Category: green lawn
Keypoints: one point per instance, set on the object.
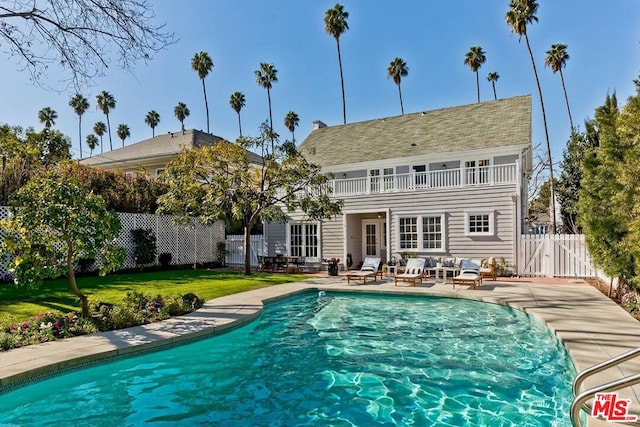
(54, 295)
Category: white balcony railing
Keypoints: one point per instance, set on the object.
(447, 178)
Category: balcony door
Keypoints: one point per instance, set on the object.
(374, 238)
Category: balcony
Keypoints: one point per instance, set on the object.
(446, 178)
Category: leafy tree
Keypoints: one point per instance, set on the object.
(266, 76)
(47, 116)
(92, 143)
(181, 112)
(398, 69)
(123, 132)
(100, 128)
(570, 180)
(106, 102)
(79, 36)
(218, 182)
(522, 13)
(291, 121)
(80, 105)
(493, 77)
(55, 222)
(335, 24)
(557, 58)
(599, 204)
(201, 63)
(237, 102)
(25, 152)
(474, 59)
(152, 119)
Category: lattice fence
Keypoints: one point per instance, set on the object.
(194, 243)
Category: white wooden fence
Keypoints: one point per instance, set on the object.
(235, 249)
(194, 243)
(555, 255)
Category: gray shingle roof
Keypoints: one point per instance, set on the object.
(165, 145)
(504, 122)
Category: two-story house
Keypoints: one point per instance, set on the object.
(449, 182)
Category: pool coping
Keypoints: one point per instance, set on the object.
(591, 326)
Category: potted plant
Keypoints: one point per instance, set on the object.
(332, 266)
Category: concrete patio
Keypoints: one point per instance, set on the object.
(592, 327)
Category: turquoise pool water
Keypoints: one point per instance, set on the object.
(339, 360)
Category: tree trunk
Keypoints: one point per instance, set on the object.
(80, 133)
(566, 100)
(401, 105)
(478, 84)
(495, 97)
(552, 205)
(206, 104)
(247, 249)
(270, 118)
(344, 105)
(72, 281)
(239, 124)
(109, 130)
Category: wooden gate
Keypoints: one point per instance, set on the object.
(554, 255)
(235, 249)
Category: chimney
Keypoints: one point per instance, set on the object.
(317, 124)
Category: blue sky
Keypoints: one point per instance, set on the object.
(603, 39)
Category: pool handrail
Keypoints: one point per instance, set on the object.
(580, 401)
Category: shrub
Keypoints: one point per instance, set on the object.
(144, 250)
(221, 254)
(137, 308)
(165, 259)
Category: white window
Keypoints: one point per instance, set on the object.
(479, 223)
(408, 227)
(159, 171)
(423, 232)
(303, 240)
(433, 233)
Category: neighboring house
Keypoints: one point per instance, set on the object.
(151, 156)
(449, 182)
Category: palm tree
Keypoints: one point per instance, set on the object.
(291, 121)
(398, 69)
(100, 128)
(493, 78)
(557, 58)
(47, 116)
(106, 102)
(92, 143)
(181, 112)
(265, 77)
(123, 132)
(474, 59)
(202, 64)
(79, 104)
(152, 119)
(237, 102)
(520, 14)
(335, 24)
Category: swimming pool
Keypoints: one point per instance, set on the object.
(339, 359)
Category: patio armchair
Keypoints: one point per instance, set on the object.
(489, 268)
(369, 269)
(412, 272)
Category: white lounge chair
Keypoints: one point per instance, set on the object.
(469, 274)
(412, 272)
(369, 269)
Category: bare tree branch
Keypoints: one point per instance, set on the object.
(80, 36)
